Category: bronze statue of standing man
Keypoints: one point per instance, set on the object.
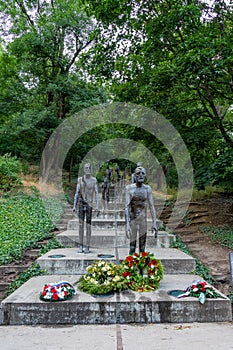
(138, 195)
(87, 188)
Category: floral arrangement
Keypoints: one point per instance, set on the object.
(201, 290)
(139, 272)
(57, 291)
(142, 272)
(102, 277)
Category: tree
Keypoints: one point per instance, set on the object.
(176, 57)
(44, 40)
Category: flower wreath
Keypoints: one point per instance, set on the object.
(57, 291)
(142, 271)
(102, 277)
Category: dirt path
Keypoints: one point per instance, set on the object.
(214, 212)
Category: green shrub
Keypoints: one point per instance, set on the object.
(10, 168)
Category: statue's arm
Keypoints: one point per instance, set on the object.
(127, 211)
(152, 209)
(96, 195)
(76, 197)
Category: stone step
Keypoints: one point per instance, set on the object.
(108, 214)
(69, 261)
(9, 269)
(105, 223)
(23, 307)
(61, 227)
(108, 238)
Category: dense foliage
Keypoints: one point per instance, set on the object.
(173, 56)
(10, 169)
(23, 222)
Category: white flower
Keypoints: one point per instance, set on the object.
(116, 278)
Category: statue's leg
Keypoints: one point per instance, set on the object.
(88, 232)
(142, 236)
(81, 215)
(133, 237)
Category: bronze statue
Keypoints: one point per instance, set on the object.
(87, 186)
(137, 196)
(105, 189)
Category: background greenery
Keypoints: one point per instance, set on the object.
(173, 56)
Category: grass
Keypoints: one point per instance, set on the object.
(220, 235)
(208, 192)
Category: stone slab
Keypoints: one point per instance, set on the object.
(108, 238)
(174, 261)
(23, 307)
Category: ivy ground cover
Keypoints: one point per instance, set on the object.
(23, 222)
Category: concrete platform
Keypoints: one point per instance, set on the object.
(71, 262)
(23, 307)
(110, 239)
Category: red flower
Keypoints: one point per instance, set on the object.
(43, 293)
(55, 296)
(129, 258)
(130, 264)
(144, 254)
(150, 272)
(126, 274)
(65, 293)
(155, 262)
(135, 254)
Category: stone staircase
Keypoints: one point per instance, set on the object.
(108, 242)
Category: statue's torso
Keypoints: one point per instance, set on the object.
(138, 201)
(87, 188)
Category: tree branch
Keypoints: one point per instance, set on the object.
(24, 11)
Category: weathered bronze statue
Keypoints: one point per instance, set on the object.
(87, 187)
(137, 196)
(105, 189)
(133, 178)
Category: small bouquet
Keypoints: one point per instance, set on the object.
(57, 291)
(201, 290)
